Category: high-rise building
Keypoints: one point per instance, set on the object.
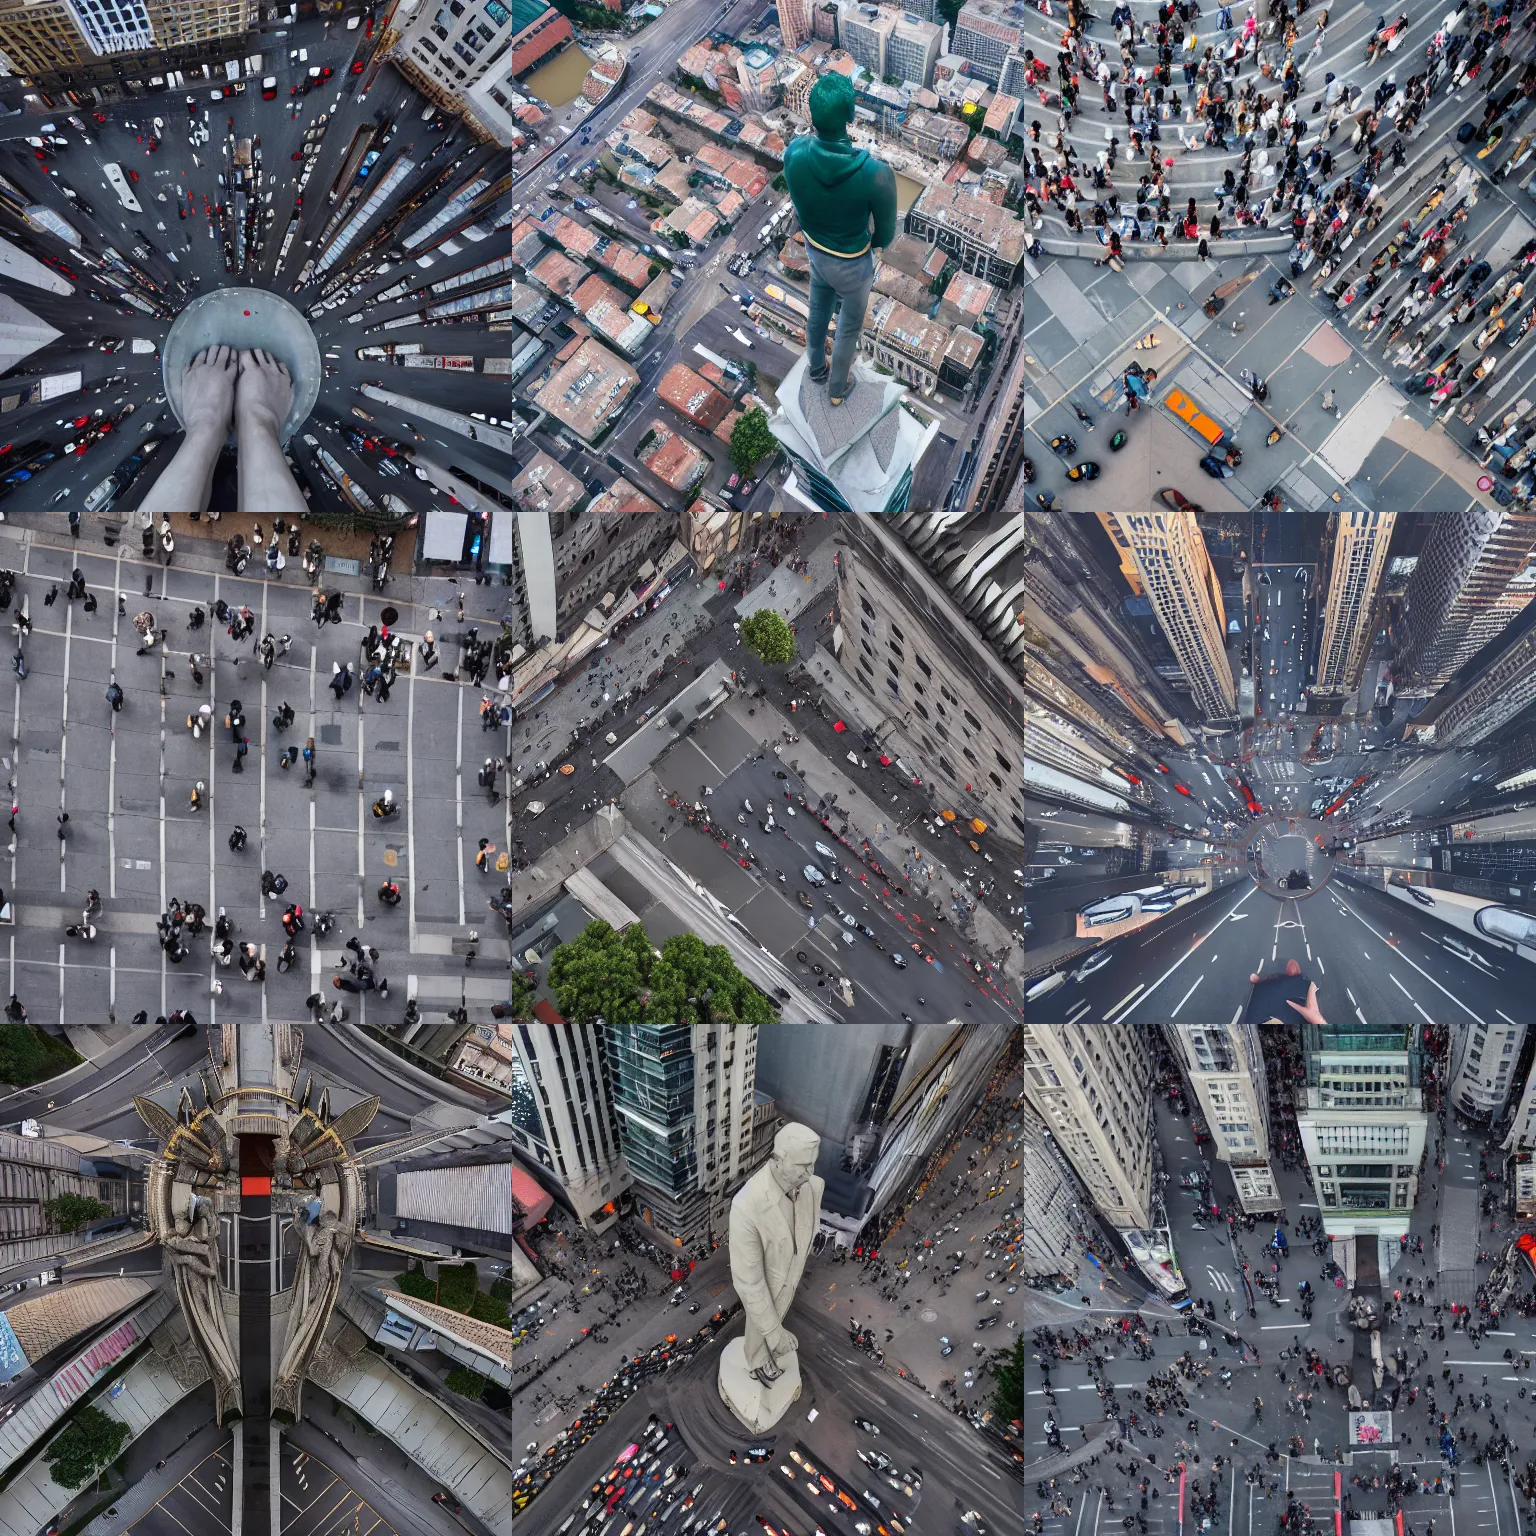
(1489, 691)
(1181, 586)
(1050, 1196)
(1480, 1068)
(986, 41)
(864, 31)
(444, 51)
(684, 1095)
(1225, 1070)
(1359, 554)
(884, 1098)
(936, 688)
(913, 49)
(92, 39)
(1520, 1143)
(795, 23)
(1093, 1089)
(562, 1114)
(1474, 576)
(1363, 1125)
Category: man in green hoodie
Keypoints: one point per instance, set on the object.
(845, 200)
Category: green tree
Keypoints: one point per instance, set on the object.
(766, 633)
(751, 440)
(779, 184)
(414, 1283)
(68, 1213)
(490, 1309)
(86, 1446)
(522, 996)
(470, 1384)
(27, 1055)
(1008, 1372)
(698, 983)
(601, 974)
(948, 10)
(457, 1285)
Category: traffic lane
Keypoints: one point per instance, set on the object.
(87, 1102)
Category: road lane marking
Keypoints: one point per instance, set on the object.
(1188, 995)
(1419, 968)
(1115, 1008)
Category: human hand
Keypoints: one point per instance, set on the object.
(1308, 1010)
(266, 390)
(781, 1342)
(208, 391)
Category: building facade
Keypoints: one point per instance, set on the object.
(1497, 691)
(445, 49)
(1050, 1195)
(913, 48)
(984, 239)
(1474, 576)
(795, 23)
(1181, 585)
(985, 41)
(562, 1115)
(1363, 1125)
(1481, 1068)
(1092, 1089)
(864, 32)
(685, 1098)
(1224, 1067)
(1359, 555)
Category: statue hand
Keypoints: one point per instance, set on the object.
(781, 1342)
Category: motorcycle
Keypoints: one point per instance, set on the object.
(81, 930)
(1064, 445)
(19, 663)
(323, 922)
(1087, 470)
(1027, 471)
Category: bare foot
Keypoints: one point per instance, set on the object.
(208, 391)
(265, 394)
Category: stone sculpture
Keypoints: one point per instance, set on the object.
(773, 1222)
(316, 1284)
(194, 1254)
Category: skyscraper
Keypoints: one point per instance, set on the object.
(795, 23)
(1481, 1066)
(1360, 540)
(684, 1097)
(1181, 585)
(1474, 576)
(1093, 1089)
(562, 1116)
(1488, 693)
(1049, 1193)
(1225, 1069)
(865, 31)
(1363, 1125)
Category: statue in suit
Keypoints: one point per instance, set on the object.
(773, 1222)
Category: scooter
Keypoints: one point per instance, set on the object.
(1064, 445)
(1087, 470)
(81, 930)
(323, 922)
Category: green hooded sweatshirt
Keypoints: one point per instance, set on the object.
(836, 188)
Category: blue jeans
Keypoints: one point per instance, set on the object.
(840, 283)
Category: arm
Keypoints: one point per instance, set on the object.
(883, 205)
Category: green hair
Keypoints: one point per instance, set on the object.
(832, 105)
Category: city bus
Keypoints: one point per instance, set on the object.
(119, 184)
(1502, 926)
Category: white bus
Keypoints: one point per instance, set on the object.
(119, 184)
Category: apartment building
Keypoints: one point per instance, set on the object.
(984, 239)
(1480, 1068)
(980, 36)
(1355, 556)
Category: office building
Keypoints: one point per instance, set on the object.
(863, 31)
(1092, 1088)
(1474, 576)
(118, 40)
(1490, 690)
(795, 23)
(935, 689)
(462, 1198)
(37, 1169)
(1363, 1126)
(562, 1115)
(985, 239)
(1520, 1143)
(684, 1096)
(980, 37)
(913, 48)
(444, 51)
(1358, 556)
(884, 1098)
(1181, 585)
(1480, 1067)
(1050, 1196)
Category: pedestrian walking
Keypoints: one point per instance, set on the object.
(288, 758)
(199, 720)
(341, 679)
(144, 623)
(196, 798)
(63, 825)
(485, 855)
(284, 717)
(389, 894)
(167, 541)
(237, 840)
(309, 761)
(428, 650)
(241, 748)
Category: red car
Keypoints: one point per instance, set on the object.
(133, 175)
(368, 29)
(298, 154)
(357, 66)
(1183, 791)
(269, 95)
(327, 72)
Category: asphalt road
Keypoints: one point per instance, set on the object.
(198, 267)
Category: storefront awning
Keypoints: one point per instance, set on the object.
(444, 539)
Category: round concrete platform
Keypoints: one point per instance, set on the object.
(1286, 859)
(246, 319)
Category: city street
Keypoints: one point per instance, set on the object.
(125, 780)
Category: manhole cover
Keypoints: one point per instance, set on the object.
(330, 735)
(928, 1315)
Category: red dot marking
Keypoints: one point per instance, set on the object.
(247, 312)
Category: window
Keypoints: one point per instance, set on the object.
(865, 605)
(1003, 762)
(923, 667)
(920, 707)
(971, 719)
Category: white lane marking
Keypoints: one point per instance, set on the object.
(1323, 968)
(1419, 968)
(1188, 995)
(1115, 1008)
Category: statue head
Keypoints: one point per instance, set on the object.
(794, 1156)
(831, 104)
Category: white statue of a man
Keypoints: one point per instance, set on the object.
(773, 1222)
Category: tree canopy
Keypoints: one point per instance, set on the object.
(620, 978)
(69, 1213)
(751, 440)
(86, 1445)
(767, 633)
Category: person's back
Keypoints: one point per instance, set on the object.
(845, 200)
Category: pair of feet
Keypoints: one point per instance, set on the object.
(223, 387)
(822, 379)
